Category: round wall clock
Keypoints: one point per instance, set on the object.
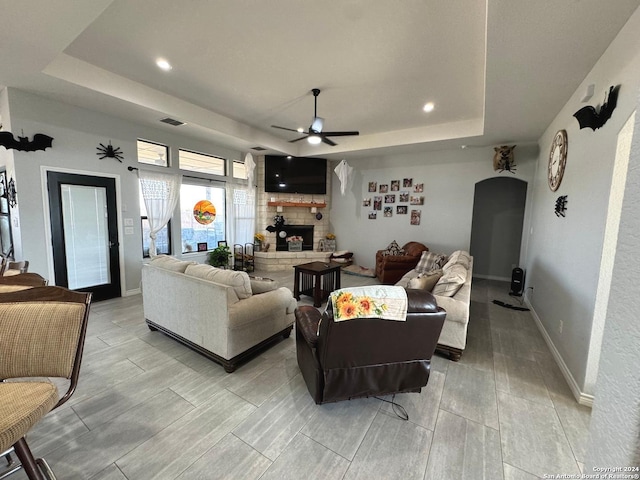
(557, 160)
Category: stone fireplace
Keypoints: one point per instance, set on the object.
(304, 231)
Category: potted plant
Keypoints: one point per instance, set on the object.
(258, 240)
(219, 256)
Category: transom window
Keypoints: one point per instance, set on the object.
(153, 153)
(199, 162)
(239, 170)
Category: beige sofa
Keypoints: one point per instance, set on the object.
(213, 311)
(453, 338)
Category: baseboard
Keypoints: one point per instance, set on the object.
(135, 291)
(581, 397)
(492, 277)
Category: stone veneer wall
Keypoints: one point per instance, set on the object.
(292, 215)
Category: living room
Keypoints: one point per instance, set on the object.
(571, 263)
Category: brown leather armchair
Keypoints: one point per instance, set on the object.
(367, 356)
(391, 268)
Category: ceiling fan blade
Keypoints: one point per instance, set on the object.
(340, 134)
(328, 141)
(297, 139)
(285, 128)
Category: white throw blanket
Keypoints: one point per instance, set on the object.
(375, 301)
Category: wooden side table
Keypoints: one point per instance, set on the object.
(316, 279)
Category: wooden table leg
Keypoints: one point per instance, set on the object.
(317, 290)
(296, 284)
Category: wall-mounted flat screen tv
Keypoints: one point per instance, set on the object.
(295, 175)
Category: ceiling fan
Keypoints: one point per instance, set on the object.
(315, 135)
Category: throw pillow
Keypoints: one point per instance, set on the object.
(393, 249)
(425, 281)
(430, 261)
(239, 281)
(451, 281)
(459, 256)
(262, 285)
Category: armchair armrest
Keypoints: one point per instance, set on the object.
(307, 319)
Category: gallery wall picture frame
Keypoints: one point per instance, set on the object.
(388, 211)
(390, 198)
(383, 188)
(401, 210)
(418, 188)
(377, 203)
(415, 217)
(403, 196)
(395, 185)
(373, 215)
(366, 202)
(407, 182)
(373, 186)
(416, 200)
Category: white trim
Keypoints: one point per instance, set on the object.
(582, 398)
(47, 217)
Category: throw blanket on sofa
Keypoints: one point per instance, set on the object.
(377, 301)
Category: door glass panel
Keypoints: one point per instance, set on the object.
(84, 214)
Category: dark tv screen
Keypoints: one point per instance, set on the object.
(295, 175)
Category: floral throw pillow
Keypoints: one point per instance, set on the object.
(393, 249)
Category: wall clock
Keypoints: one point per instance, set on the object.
(557, 160)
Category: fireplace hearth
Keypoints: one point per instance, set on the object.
(304, 231)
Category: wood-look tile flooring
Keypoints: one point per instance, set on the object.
(149, 408)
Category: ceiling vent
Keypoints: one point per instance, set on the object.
(172, 121)
(258, 149)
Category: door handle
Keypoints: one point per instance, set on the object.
(113, 244)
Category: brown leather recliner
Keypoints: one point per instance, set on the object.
(367, 356)
(391, 268)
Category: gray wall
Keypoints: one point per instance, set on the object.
(565, 255)
(496, 231)
(77, 132)
(449, 178)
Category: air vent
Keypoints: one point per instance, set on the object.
(258, 149)
(172, 121)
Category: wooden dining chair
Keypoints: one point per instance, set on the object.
(15, 268)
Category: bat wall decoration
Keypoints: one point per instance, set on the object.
(40, 142)
(590, 117)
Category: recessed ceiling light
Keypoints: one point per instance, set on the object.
(428, 107)
(163, 64)
(300, 130)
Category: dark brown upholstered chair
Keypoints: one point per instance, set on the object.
(367, 356)
(391, 268)
(42, 332)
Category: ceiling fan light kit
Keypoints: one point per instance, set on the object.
(315, 135)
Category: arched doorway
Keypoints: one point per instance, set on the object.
(496, 228)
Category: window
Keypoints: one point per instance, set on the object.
(163, 237)
(153, 153)
(211, 227)
(199, 162)
(239, 170)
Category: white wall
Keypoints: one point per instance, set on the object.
(449, 178)
(565, 254)
(77, 132)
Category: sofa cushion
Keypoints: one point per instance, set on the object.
(458, 257)
(425, 281)
(451, 281)
(430, 261)
(262, 285)
(393, 249)
(170, 263)
(239, 281)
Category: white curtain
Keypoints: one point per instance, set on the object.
(160, 192)
(244, 214)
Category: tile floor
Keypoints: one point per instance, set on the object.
(149, 408)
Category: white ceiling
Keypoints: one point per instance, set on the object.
(498, 70)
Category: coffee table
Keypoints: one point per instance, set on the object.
(316, 279)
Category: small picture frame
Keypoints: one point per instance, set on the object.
(418, 188)
(395, 185)
(366, 202)
(415, 217)
(377, 203)
(202, 246)
(222, 243)
(417, 200)
(401, 210)
(373, 215)
(373, 186)
(391, 198)
(403, 196)
(388, 211)
(407, 182)
(384, 188)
